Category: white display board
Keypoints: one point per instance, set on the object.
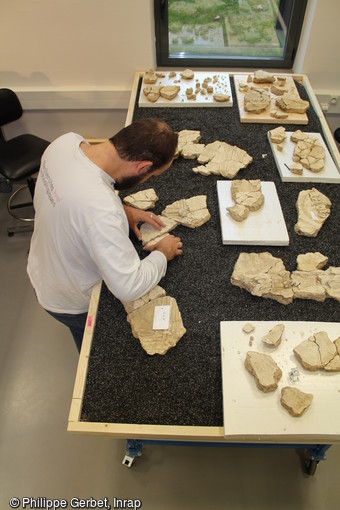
(284, 159)
(222, 85)
(265, 227)
(252, 415)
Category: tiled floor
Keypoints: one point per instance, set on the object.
(38, 458)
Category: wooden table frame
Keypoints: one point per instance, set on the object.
(169, 432)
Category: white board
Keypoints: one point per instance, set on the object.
(252, 415)
(329, 173)
(221, 86)
(265, 227)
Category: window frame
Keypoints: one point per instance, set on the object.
(285, 62)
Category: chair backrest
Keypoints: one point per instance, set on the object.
(10, 107)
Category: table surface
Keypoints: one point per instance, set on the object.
(123, 392)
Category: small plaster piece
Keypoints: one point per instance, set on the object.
(295, 401)
(278, 135)
(248, 328)
(188, 74)
(274, 336)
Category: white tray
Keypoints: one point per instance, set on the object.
(265, 227)
(329, 173)
(250, 414)
(223, 86)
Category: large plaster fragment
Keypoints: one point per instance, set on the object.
(247, 193)
(156, 341)
(313, 209)
(318, 352)
(295, 401)
(311, 261)
(150, 76)
(191, 212)
(310, 154)
(150, 233)
(144, 199)
(154, 293)
(266, 372)
(263, 275)
(292, 103)
(224, 159)
(256, 100)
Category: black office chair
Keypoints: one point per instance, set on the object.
(337, 134)
(19, 157)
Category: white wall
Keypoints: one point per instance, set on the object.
(75, 43)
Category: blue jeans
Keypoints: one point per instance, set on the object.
(75, 322)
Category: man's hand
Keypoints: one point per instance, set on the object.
(136, 216)
(170, 246)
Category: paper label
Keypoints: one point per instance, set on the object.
(161, 318)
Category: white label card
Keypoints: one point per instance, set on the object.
(161, 318)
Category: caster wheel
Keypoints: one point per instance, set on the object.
(310, 466)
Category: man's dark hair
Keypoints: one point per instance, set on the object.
(148, 139)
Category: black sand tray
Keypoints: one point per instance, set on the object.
(184, 387)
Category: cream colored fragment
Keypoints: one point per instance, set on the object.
(243, 87)
(150, 233)
(278, 114)
(311, 261)
(221, 98)
(201, 169)
(266, 372)
(261, 76)
(156, 341)
(170, 91)
(188, 137)
(278, 89)
(247, 193)
(330, 280)
(154, 293)
(238, 212)
(292, 103)
(277, 135)
(296, 168)
(310, 153)
(152, 93)
(295, 401)
(316, 352)
(313, 209)
(263, 275)
(222, 158)
(144, 199)
(150, 76)
(307, 285)
(256, 100)
(248, 328)
(274, 336)
(188, 74)
(191, 212)
(154, 241)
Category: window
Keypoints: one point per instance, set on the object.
(228, 33)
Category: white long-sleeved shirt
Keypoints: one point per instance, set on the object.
(81, 234)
